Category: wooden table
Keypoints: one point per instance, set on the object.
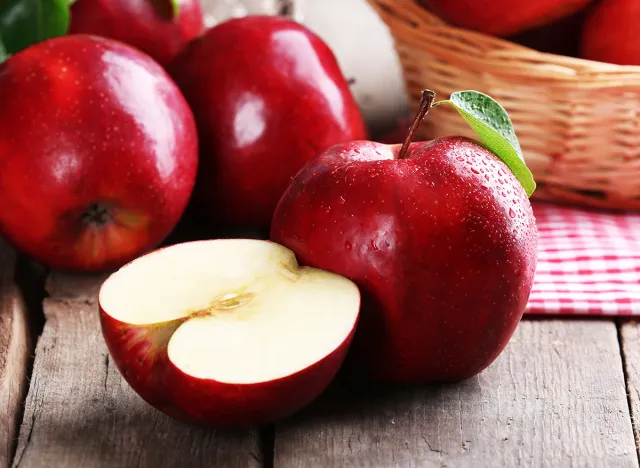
(564, 393)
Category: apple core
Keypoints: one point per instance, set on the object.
(242, 310)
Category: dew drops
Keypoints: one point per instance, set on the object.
(486, 176)
(504, 194)
(474, 170)
(512, 213)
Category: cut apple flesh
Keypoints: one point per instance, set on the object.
(242, 310)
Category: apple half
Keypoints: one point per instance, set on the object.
(227, 332)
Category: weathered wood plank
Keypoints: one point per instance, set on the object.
(81, 413)
(555, 397)
(15, 349)
(74, 286)
(630, 336)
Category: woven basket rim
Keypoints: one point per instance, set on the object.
(545, 65)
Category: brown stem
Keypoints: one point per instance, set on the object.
(426, 101)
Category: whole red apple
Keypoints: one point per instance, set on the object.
(98, 151)
(227, 332)
(149, 25)
(610, 33)
(439, 237)
(503, 17)
(268, 95)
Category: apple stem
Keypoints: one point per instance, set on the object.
(426, 101)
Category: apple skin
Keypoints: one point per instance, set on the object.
(489, 16)
(442, 244)
(147, 25)
(268, 95)
(140, 354)
(610, 33)
(561, 37)
(98, 151)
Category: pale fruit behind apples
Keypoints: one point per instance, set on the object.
(227, 333)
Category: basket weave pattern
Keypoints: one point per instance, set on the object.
(577, 120)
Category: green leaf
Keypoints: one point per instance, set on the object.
(27, 22)
(492, 124)
(175, 7)
(167, 9)
(3, 53)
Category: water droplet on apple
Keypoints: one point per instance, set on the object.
(348, 245)
(460, 158)
(512, 213)
(485, 187)
(486, 176)
(474, 170)
(500, 172)
(504, 194)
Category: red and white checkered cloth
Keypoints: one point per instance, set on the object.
(588, 262)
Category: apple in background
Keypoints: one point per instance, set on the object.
(268, 95)
(227, 333)
(503, 17)
(441, 240)
(149, 25)
(561, 37)
(98, 151)
(611, 33)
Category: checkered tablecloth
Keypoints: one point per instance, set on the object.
(588, 262)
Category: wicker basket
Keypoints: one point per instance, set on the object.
(577, 120)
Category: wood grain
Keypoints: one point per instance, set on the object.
(81, 413)
(555, 397)
(630, 337)
(15, 349)
(74, 286)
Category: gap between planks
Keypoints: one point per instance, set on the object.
(81, 413)
(629, 335)
(16, 349)
(555, 397)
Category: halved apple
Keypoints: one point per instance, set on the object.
(228, 332)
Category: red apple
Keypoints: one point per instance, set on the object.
(98, 151)
(503, 17)
(227, 333)
(610, 33)
(439, 237)
(268, 95)
(149, 25)
(562, 37)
